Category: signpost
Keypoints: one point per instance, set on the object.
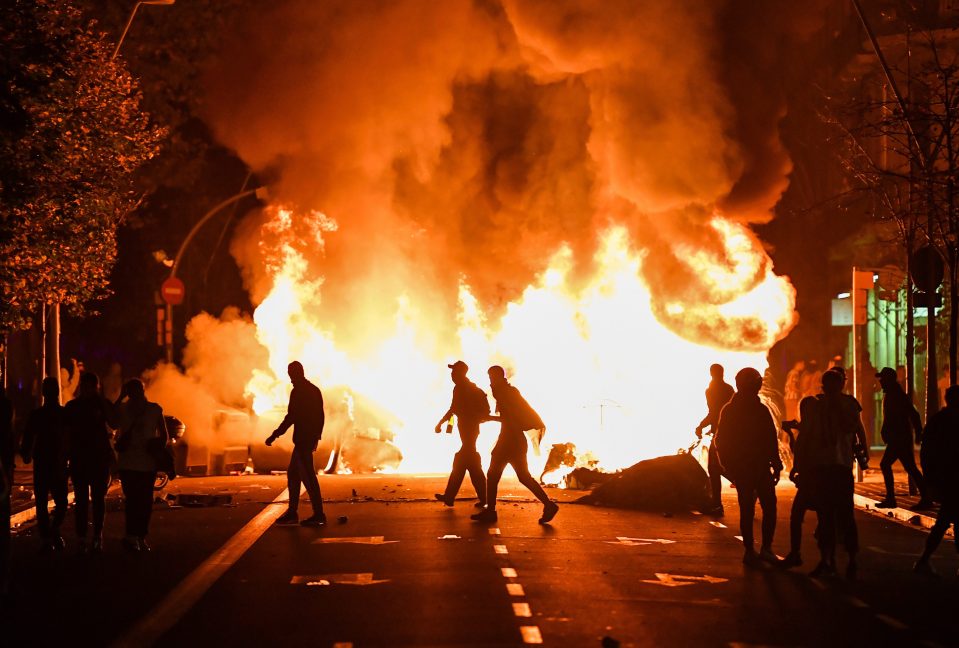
(172, 290)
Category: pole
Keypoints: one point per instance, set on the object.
(125, 30)
(168, 324)
(130, 21)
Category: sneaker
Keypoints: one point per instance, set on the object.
(888, 503)
(716, 511)
(142, 544)
(57, 543)
(925, 568)
(442, 498)
(823, 570)
(480, 504)
(486, 515)
(130, 544)
(923, 505)
(315, 520)
(550, 509)
(751, 558)
(290, 517)
(97, 545)
(766, 555)
(792, 559)
(82, 546)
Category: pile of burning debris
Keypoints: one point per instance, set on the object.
(672, 483)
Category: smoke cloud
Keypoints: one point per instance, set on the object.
(468, 140)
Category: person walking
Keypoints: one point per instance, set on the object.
(44, 444)
(516, 416)
(89, 418)
(139, 421)
(940, 456)
(749, 452)
(899, 421)
(828, 451)
(718, 393)
(804, 499)
(305, 414)
(470, 407)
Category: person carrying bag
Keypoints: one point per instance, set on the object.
(142, 439)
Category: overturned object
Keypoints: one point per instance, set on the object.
(587, 478)
(673, 483)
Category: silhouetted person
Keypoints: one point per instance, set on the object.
(940, 461)
(516, 416)
(305, 414)
(6, 485)
(749, 452)
(828, 455)
(139, 421)
(471, 407)
(718, 393)
(44, 444)
(805, 498)
(899, 421)
(792, 391)
(89, 419)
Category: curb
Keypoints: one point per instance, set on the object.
(26, 516)
(901, 515)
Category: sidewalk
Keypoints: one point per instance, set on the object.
(872, 490)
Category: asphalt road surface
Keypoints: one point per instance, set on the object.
(407, 571)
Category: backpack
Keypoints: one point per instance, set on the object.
(477, 403)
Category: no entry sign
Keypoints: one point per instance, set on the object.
(172, 290)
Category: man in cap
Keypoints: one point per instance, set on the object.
(899, 421)
(749, 452)
(305, 414)
(470, 407)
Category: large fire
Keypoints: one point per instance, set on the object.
(595, 362)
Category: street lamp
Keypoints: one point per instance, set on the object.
(259, 192)
(130, 21)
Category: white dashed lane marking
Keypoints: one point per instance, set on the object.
(718, 525)
(531, 634)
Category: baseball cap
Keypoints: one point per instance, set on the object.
(459, 365)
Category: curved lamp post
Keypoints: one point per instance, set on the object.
(259, 192)
(130, 21)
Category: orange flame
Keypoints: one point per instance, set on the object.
(596, 363)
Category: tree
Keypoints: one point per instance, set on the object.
(901, 145)
(73, 134)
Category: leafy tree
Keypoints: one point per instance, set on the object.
(73, 133)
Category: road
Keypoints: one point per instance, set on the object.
(407, 571)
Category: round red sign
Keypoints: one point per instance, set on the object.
(172, 290)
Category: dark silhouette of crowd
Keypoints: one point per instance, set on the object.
(89, 439)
